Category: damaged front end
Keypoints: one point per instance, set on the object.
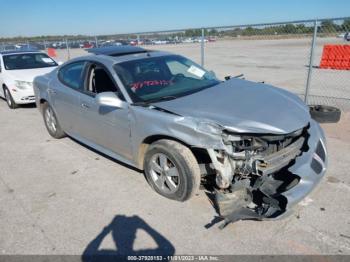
(262, 176)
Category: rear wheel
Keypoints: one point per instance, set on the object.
(9, 100)
(51, 123)
(172, 170)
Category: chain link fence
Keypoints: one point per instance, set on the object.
(330, 86)
(276, 54)
(286, 54)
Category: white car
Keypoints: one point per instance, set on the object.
(17, 72)
(188, 40)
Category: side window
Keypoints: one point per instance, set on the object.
(71, 75)
(99, 80)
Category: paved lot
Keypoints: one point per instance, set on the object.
(58, 197)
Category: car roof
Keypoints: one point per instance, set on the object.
(117, 50)
(120, 57)
(10, 52)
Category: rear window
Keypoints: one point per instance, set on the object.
(71, 75)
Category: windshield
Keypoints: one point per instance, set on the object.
(167, 77)
(27, 61)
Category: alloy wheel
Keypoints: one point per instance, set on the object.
(50, 120)
(164, 173)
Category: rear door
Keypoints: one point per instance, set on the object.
(107, 127)
(64, 93)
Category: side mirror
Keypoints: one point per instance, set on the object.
(212, 73)
(109, 99)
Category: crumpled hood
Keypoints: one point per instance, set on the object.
(245, 107)
(29, 74)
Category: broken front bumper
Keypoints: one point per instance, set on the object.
(281, 191)
(309, 166)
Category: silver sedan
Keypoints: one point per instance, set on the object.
(253, 145)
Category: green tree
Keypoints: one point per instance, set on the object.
(213, 32)
(346, 25)
(288, 29)
(249, 31)
(328, 26)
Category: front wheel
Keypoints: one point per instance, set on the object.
(172, 170)
(9, 100)
(51, 123)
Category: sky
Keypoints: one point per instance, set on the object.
(98, 17)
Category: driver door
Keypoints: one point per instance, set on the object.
(105, 126)
(64, 94)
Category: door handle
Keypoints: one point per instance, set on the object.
(51, 91)
(83, 105)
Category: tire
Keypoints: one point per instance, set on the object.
(9, 100)
(325, 114)
(51, 122)
(177, 177)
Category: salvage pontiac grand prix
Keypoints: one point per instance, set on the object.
(166, 115)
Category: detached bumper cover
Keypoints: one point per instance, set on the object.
(310, 166)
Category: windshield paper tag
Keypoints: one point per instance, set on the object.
(47, 60)
(196, 71)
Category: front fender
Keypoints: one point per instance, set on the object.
(146, 122)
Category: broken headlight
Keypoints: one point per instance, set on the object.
(243, 143)
(251, 144)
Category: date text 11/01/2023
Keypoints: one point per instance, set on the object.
(173, 258)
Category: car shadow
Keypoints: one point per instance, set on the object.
(209, 189)
(31, 105)
(123, 230)
(106, 156)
